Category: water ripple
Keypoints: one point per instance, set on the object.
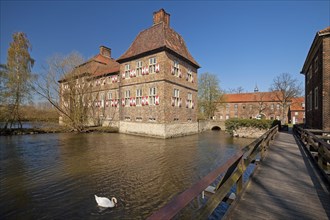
(55, 176)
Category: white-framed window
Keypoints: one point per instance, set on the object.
(139, 97)
(316, 64)
(303, 105)
(138, 68)
(250, 107)
(272, 106)
(152, 96)
(189, 100)
(109, 95)
(235, 108)
(127, 97)
(138, 119)
(176, 67)
(277, 107)
(316, 98)
(189, 75)
(176, 96)
(227, 108)
(296, 113)
(152, 64)
(152, 119)
(227, 116)
(127, 70)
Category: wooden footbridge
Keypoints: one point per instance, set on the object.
(291, 181)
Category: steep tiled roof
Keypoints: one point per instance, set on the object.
(296, 104)
(250, 97)
(325, 30)
(319, 36)
(99, 65)
(96, 66)
(159, 36)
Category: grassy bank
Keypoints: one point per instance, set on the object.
(56, 129)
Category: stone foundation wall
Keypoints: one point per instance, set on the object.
(158, 130)
(182, 129)
(249, 132)
(110, 123)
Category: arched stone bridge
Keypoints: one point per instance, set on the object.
(204, 125)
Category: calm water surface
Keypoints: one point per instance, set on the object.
(55, 176)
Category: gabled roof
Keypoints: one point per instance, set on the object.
(99, 65)
(96, 66)
(324, 31)
(250, 97)
(319, 35)
(296, 104)
(158, 37)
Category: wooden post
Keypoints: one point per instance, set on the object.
(239, 183)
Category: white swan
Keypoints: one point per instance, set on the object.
(105, 202)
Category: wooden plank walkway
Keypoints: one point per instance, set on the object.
(286, 185)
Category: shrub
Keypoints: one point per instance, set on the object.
(235, 123)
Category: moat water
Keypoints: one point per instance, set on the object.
(55, 176)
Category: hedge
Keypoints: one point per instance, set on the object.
(235, 123)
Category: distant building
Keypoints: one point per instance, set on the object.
(149, 90)
(259, 105)
(317, 82)
(296, 114)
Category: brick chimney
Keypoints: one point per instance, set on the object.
(105, 51)
(162, 16)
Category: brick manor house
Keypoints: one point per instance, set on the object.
(317, 82)
(151, 89)
(261, 105)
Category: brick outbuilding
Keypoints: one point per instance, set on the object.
(317, 82)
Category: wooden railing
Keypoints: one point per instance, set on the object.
(317, 146)
(231, 173)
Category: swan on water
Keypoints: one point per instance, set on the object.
(105, 202)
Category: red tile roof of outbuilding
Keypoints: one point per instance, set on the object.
(296, 104)
(251, 97)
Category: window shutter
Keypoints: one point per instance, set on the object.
(157, 100)
(157, 68)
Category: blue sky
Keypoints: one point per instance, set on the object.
(243, 42)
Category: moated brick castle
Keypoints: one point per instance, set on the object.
(149, 90)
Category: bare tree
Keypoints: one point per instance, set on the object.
(66, 88)
(262, 105)
(285, 87)
(239, 89)
(209, 94)
(17, 77)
